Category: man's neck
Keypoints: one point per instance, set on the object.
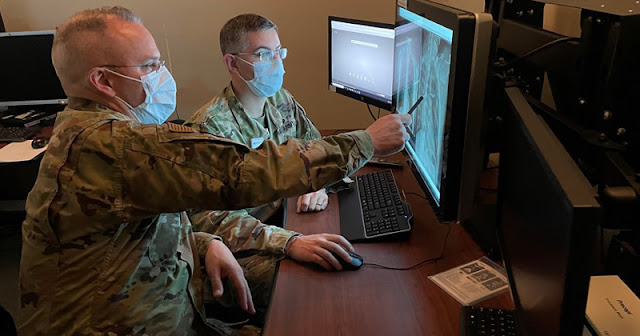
(252, 104)
(110, 102)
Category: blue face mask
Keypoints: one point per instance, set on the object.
(267, 77)
(160, 102)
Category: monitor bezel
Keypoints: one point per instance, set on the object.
(463, 24)
(360, 97)
(13, 103)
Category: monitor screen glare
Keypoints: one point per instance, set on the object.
(422, 69)
(362, 59)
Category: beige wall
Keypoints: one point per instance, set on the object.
(188, 31)
(187, 34)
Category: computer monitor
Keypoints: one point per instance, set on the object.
(547, 213)
(361, 60)
(440, 71)
(27, 76)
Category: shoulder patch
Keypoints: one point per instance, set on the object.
(181, 128)
(169, 132)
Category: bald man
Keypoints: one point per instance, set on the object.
(108, 248)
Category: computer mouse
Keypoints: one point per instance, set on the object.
(356, 261)
(39, 142)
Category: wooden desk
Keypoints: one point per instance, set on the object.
(373, 301)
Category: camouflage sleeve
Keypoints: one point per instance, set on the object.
(170, 168)
(242, 232)
(203, 240)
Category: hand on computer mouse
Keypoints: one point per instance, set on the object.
(39, 142)
(356, 262)
(326, 250)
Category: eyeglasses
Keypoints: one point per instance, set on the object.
(268, 55)
(147, 68)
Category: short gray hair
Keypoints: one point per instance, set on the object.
(94, 20)
(70, 48)
(233, 35)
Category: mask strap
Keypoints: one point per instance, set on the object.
(123, 76)
(244, 60)
(238, 72)
(126, 77)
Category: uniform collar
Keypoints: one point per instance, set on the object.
(272, 115)
(241, 117)
(81, 105)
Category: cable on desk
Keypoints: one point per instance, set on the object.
(418, 195)
(371, 113)
(444, 245)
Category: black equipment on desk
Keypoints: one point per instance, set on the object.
(27, 76)
(441, 59)
(585, 87)
(18, 134)
(584, 82)
(547, 218)
(479, 321)
(372, 207)
(27, 117)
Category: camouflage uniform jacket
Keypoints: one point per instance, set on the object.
(108, 248)
(284, 119)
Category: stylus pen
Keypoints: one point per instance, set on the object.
(413, 108)
(415, 105)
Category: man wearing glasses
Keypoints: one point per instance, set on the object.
(108, 246)
(251, 109)
(254, 107)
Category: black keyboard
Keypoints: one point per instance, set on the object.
(383, 212)
(10, 134)
(476, 321)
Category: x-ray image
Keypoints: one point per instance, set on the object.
(422, 64)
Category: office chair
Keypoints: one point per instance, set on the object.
(17, 179)
(7, 327)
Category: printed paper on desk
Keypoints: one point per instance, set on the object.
(473, 282)
(19, 151)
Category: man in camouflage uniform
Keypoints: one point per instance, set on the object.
(255, 107)
(108, 248)
(251, 109)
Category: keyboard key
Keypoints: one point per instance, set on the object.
(487, 321)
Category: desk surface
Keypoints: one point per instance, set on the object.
(373, 301)
(44, 131)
